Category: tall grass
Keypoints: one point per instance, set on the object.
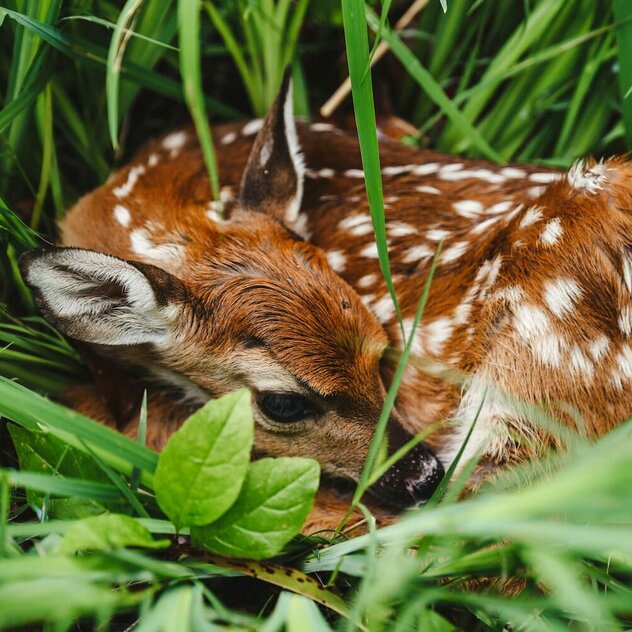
(82, 84)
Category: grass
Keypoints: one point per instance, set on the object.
(542, 81)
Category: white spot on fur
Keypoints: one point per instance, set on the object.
(397, 170)
(580, 364)
(337, 260)
(513, 294)
(500, 207)
(599, 347)
(229, 138)
(354, 173)
(384, 309)
(454, 252)
(530, 322)
(535, 192)
(321, 127)
(544, 178)
(428, 189)
(416, 253)
(143, 246)
(175, 140)
(512, 172)
(132, 178)
(437, 234)
(625, 319)
(122, 215)
(531, 216)
(400, 229)
(437, 333)
(353, 221)
(552, 232)
(153, 160)
(591, 180)
(369, 251)
(549, 349)
(252, 127)
(320, 173)
(623, 369)
(561, 295)
(483, 227)
(367, 281)
(469, 209)
(426, 169)
(627, 269)
(367, 299)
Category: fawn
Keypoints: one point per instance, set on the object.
(282, 293)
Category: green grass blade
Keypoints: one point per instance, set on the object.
(356, 38)
(120, 38)
(434, 90)
(189, 38)
(623, 15)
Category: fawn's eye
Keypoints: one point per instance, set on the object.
(285, 407)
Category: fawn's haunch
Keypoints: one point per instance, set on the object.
(282, 293)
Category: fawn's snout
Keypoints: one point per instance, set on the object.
(412, 479)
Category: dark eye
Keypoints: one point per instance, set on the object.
(285, 407)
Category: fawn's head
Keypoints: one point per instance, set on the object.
(249, 304)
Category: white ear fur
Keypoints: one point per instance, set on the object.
(95, 297)
(298, 160)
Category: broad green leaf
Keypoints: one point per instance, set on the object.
(42, 452)
(274, 502)
(107, 532)
(203, 466)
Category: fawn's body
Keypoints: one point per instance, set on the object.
(530, 303)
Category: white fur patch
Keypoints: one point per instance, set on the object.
(531, 216)
(561, 295)
(427, 189)
(623, 370)
(416, 253)
(590, 180)
(599, 347)
(580, 364)
(369, 251)
(426, 169)
(153, 160)
(322, 127)
(354, 173)
(530, 322)
(483, 227)
(228, 138)
(298, 161)
(625, 319)
(544, 178)
(552, 232)
(367, 281)
(397, 170)
(437, 234)
(513, 172)
(143, 246)
(454, 252)
(337, 260)
(175, 140)
(400, 229)
(132, 177)
(469, 209)
(384, 309)
(353, 221)
(437, 333)
(122, 215)
(252, 127)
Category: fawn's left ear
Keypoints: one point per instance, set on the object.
(273, 180)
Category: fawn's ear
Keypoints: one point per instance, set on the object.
(273, 180)
(97, 298)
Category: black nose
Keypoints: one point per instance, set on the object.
(412, 480)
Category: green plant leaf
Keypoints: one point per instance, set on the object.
(274, 502)
(107, 532)
(44, 453)
(203, 466)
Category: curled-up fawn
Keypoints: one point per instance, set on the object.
(282, 293)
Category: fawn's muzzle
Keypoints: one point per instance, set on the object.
(410, 481)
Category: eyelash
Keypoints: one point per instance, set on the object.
(286, 408)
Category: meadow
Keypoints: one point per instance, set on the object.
(82, 84)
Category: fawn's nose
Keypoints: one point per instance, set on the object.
(410, 481)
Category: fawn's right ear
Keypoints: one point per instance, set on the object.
(273, 180)
(100, 299)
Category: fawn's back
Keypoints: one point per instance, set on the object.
(530, 302)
